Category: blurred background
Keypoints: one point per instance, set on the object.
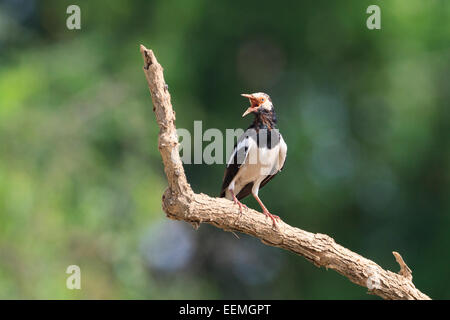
(365, 114)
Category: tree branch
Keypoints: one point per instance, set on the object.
(181, 203)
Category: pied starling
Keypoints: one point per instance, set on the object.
(258, 155)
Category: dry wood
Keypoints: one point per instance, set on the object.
(180, 202)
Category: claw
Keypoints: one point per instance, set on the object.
(265, 211)
(240, 204)
(274, 218)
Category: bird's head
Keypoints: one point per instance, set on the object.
(258, 102)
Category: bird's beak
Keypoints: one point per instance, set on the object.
(249, 110)
(254, 104)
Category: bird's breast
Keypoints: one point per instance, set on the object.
(260, 162)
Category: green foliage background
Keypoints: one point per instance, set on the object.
(365, 115)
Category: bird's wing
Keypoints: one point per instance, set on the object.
(282, 154)
(281, 159)
(237, 158)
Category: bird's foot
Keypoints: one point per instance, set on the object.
(272, 216)
(240, 204)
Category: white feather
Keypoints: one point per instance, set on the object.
(259, 163)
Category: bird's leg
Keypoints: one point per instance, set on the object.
(265, 211)
(236, 201)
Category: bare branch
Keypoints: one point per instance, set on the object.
(181, 203)
(404, 269)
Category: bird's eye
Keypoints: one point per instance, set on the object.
(262, 100)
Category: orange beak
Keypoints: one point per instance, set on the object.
(253, 101)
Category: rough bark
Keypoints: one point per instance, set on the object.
(180, 202)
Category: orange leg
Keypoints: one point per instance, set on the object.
(236, 201)
(265, 211)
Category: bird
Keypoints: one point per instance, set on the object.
(258, 155)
